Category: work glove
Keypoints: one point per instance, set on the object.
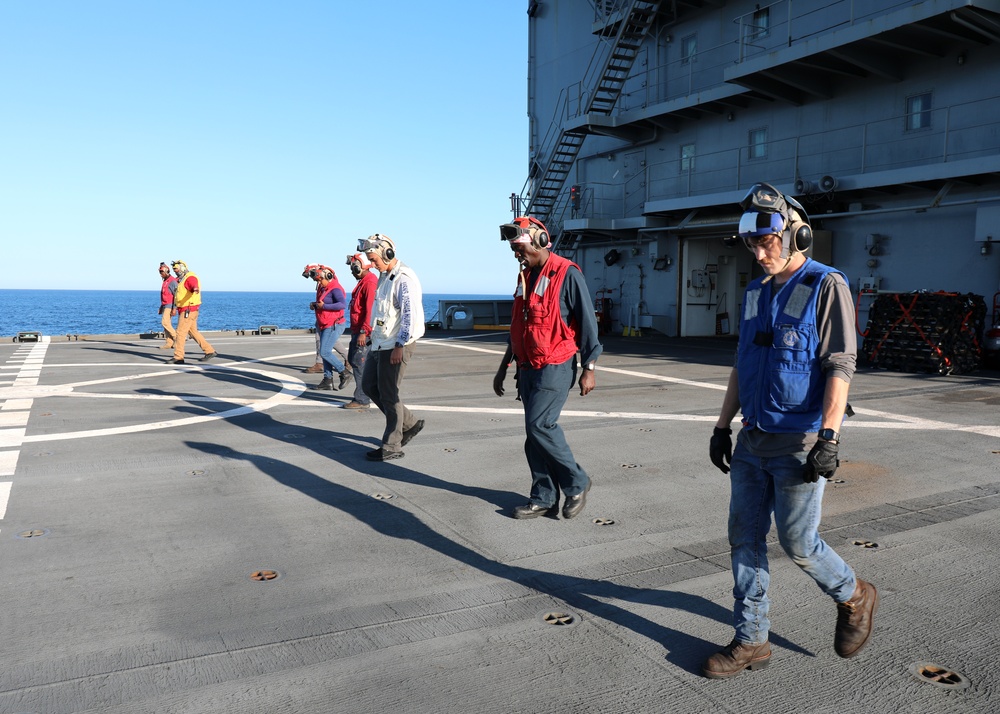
(720, 448)
(821, 461)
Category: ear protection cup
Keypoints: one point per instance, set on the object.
(328, 274)
(384, 246)
(540, 238)
(801, 233)
(388, 251)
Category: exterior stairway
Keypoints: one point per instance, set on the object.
(631, 30)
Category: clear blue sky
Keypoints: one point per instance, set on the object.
(251, 137)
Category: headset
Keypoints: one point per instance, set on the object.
(181, 263)
(378, 243)
(307, 272)
(768, 211)
(323, 272)
(358, 264)
(526, 226)
(164, 267)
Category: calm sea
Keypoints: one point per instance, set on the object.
(122, 312)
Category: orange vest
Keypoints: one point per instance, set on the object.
(538, 333)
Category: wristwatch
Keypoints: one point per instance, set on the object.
(591, 366)
(828, 435)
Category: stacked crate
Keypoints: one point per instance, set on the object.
(925, 332)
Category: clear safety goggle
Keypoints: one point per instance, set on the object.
(763, 198)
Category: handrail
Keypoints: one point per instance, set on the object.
(966, 130)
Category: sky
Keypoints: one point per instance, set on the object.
(249, 138)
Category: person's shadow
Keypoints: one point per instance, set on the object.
(583, 594)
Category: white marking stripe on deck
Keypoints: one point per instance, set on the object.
(4, 497)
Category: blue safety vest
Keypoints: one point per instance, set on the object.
(780, 378)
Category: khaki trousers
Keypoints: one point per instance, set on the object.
(187, 324)
(168, 328)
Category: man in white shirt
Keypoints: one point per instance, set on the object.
(397, 323)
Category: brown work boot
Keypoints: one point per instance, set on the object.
(735, 657)
(315, 369)
(854, 620)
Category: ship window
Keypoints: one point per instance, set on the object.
(687, 158)
(760, 25)
(689, 49)
(918, 112)
(757, 145)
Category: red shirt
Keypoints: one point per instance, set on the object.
(362, 299)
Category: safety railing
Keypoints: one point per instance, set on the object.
(959, 132)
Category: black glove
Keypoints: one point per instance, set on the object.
(822, 461)
(720, 449)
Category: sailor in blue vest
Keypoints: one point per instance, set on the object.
(794, 363)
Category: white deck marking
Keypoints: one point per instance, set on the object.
(291, 387)
(8, 462)
(4, 497)
(897, 421)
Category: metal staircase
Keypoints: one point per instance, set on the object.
(607, 87)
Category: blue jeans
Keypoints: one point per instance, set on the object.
(762, 486)
(328, 337)
(357, 354)
(553, 468)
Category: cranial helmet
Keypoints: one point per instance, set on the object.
(360, 261)
(525, 229)
(767, 211)
(307, 272)
(378, 243)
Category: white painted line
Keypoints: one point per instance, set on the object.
(4, 497)
(610, 370)
(291, 388)
(8, 462)
(897, 421)
(159, 397)
(11, 437)
(16, 405)
(661, 378)
(9, 419)
(567, 412)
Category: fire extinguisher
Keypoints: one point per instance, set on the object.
(602, 311)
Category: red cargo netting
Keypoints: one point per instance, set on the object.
(925, 332)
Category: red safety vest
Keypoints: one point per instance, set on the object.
(166, 294)
(327, 318)
(538, 333)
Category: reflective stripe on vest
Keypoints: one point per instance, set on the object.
(538, 333)
(780, 379)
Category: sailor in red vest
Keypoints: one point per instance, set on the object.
(331, 299)
(317, 366)
(553, 318)
(167, 289)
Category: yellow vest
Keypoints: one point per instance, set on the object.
(184, 298)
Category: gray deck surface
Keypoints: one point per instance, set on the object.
(138, 499)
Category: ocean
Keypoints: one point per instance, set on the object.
(123, 312)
